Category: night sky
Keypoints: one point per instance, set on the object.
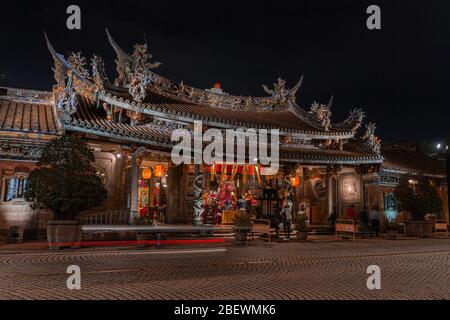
(399, 75)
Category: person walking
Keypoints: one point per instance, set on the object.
(287, 219)
(375, 219)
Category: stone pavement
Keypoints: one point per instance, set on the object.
(410, 269)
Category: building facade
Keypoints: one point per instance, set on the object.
(325, 167)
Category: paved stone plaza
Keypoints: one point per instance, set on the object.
(410, 269)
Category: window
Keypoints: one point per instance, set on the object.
(14, 187)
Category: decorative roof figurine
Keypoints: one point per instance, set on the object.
(322, 113)
(67, 102)
(372, 141)
(280, 93)
(78, 63)
(355, 119)
(99, 72)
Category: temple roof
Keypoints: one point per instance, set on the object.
(354, 155)
(162, 97)
(412, 162)
(91, 119)
(285, 120)
(25, 117)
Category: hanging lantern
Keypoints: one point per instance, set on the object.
(223, 173)
(146, 173)
(212, 172)
(295, 181)
(244, 174)
(159, 171)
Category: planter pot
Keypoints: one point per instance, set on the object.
(63, 234)
(428, 229)
(420, 229)
(414, 229)
(302, 235)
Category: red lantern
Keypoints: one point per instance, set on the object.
(146, 173)
(295, 181)
(159, 171)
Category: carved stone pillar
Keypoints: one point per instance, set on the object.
(134, 184)
(198, 196)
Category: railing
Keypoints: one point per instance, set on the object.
(345, 228)
(110, 217)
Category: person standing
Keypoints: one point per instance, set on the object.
(242, 203)
(287, 219)
(375, 219)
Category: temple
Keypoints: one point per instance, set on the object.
(325, 167)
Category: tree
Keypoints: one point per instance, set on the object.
(417, 198)
(65, 180)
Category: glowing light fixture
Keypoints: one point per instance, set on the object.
(295, 181)
(146, 173)
(159, 171)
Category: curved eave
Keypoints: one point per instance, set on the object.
(64, 62)
(168, 114)
(116, 47)
(114, 135)
(410, 171)
(311, 159)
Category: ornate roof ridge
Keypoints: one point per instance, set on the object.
(279, 94)
(28, 95)
(148, 108)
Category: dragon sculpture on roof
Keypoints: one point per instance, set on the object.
(280, 93)
(355, 119)
(371, 139)
(98, 72)
(139, 77)
(322, 113)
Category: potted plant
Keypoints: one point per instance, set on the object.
(242, 225)
(391, 229)
(66, 183)
(301, 227)
(418, 197)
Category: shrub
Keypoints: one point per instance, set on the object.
(65, 180)
(418, 199)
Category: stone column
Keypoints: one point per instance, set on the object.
(2, 188)
(134, 184)
(198, 196)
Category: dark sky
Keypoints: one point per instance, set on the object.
(399, 75)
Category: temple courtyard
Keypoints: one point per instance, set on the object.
(318, 269)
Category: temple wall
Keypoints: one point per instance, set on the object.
(350, 191)
(108, 164)
(17, 212)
